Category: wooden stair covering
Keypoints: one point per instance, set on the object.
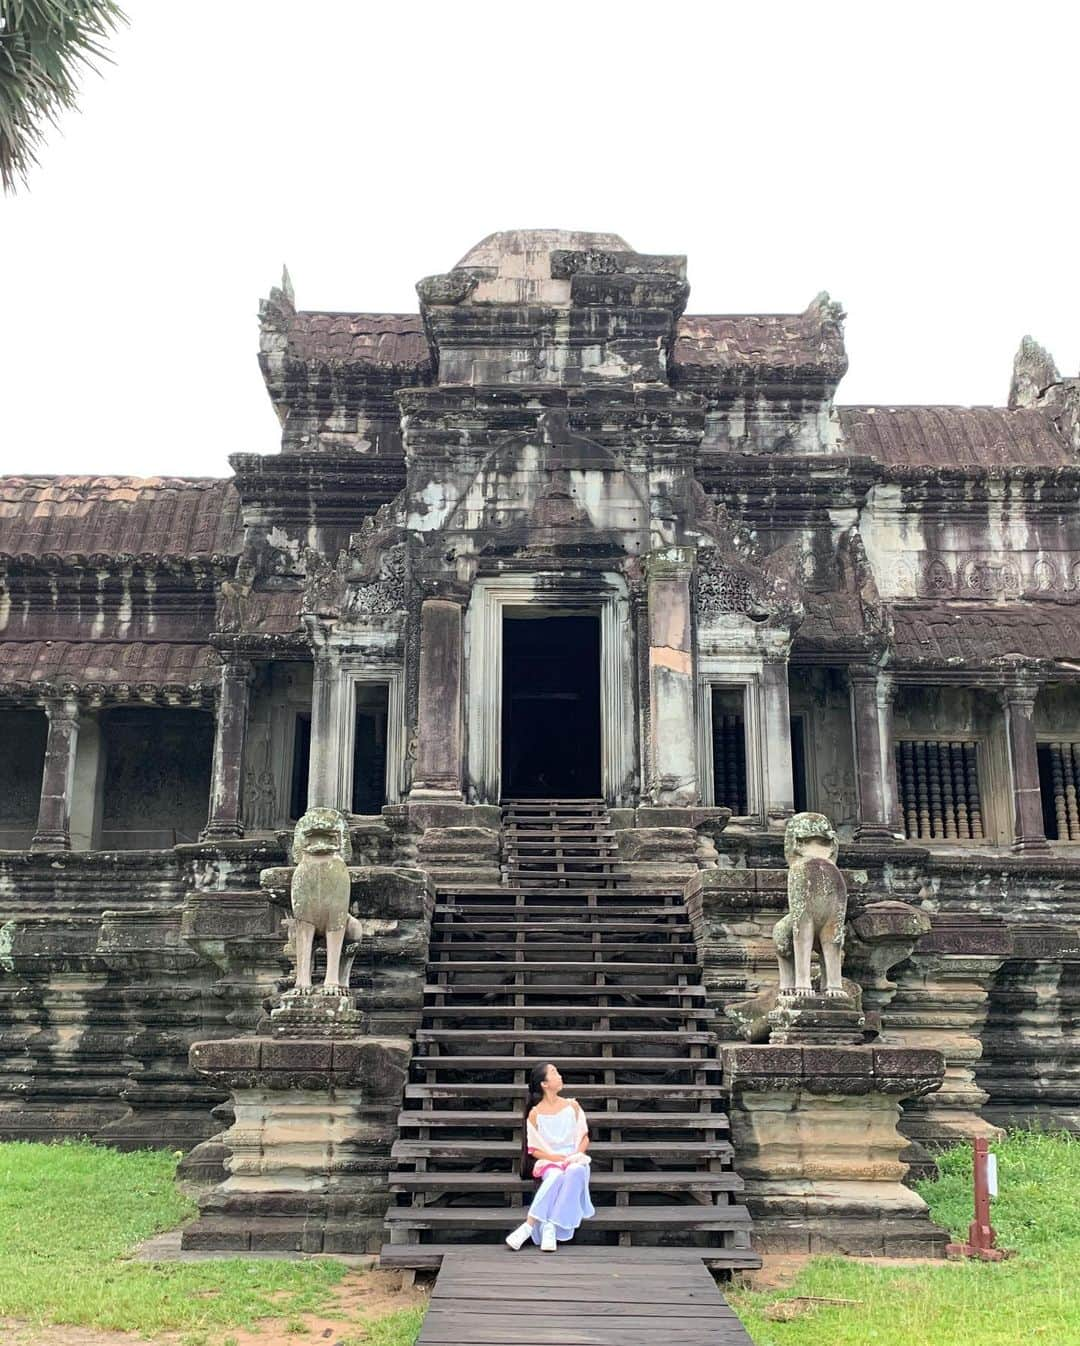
(572, 961)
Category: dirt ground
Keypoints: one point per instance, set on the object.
(360, 1297)
(779, 1270)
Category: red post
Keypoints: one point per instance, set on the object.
(981, 1237)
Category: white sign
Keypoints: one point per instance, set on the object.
(991, 1174)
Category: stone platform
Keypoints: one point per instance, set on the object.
(309, 1150)
(815, 1129)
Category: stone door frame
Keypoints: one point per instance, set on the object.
(745, 677)
(604, 595)
(352, 676)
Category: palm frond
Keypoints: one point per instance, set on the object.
(45, 45)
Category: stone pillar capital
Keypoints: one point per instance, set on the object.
(1019, 693)
(670, 563)
(65, 707)
(441, 589)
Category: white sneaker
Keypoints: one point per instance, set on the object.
(547, 1238)
(520, 1236)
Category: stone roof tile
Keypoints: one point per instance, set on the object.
(30, 663)
(940, 436)
(978, 634)
(119, 516)
(383, 340)
(741, 346)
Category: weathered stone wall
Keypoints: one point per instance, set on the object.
(113, 964)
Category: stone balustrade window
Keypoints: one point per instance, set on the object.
(1059, 783)
(940, 792)
(729, 749)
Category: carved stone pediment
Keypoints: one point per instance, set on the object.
(384, 594)
(732, 575)
(369, 578)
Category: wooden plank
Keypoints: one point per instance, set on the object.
(606, 1217)
(589, 1297)
(429, 1256)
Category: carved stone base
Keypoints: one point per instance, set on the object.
(316, 1014)
(818, 1020)
(308, 1153)
(816, 1142)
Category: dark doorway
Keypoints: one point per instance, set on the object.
(551, 707)
(369, 748)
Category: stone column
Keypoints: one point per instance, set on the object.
(54, 812)
(439, 738)
(1029, 832)
(226, 782)
(323, 773)
(871, 741)
(775, 741)
(673, 737)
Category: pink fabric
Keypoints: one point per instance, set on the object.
(557, 1133)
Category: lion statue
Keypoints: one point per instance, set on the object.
(817, 907)
(319, 893)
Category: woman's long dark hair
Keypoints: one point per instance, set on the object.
(537, 1076)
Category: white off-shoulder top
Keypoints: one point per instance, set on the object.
(556, 1132)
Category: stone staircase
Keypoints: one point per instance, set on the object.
(568, 961)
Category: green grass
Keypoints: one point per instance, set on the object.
(70, 1213)
(1032, 1297)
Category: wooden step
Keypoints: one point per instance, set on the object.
(538, 948)
(547, 829)
(572, 1065)
(559, 841)
(598, 1121)
(578, 911)
(527, 924)
(649, 892)
(571, 1037)
(581, 965)
(429, 1256)
(607, 1217)
(670, 1181)
(564, 878)
(637, 1092)
(568, 1012)
(562, 988)
(601, 1152)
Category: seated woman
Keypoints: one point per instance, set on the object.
(555, 1138)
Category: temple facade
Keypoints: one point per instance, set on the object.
(550, 537)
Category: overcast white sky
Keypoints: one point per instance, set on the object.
(916, 160)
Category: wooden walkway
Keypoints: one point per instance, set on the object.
(579, 1296)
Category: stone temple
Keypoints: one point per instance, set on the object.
(568, 600)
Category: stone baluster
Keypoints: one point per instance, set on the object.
(439, 739)
(57, 778)
(1069, 755)
(971, 766)
(226, 782)
(1018, 702)
(875, 774)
